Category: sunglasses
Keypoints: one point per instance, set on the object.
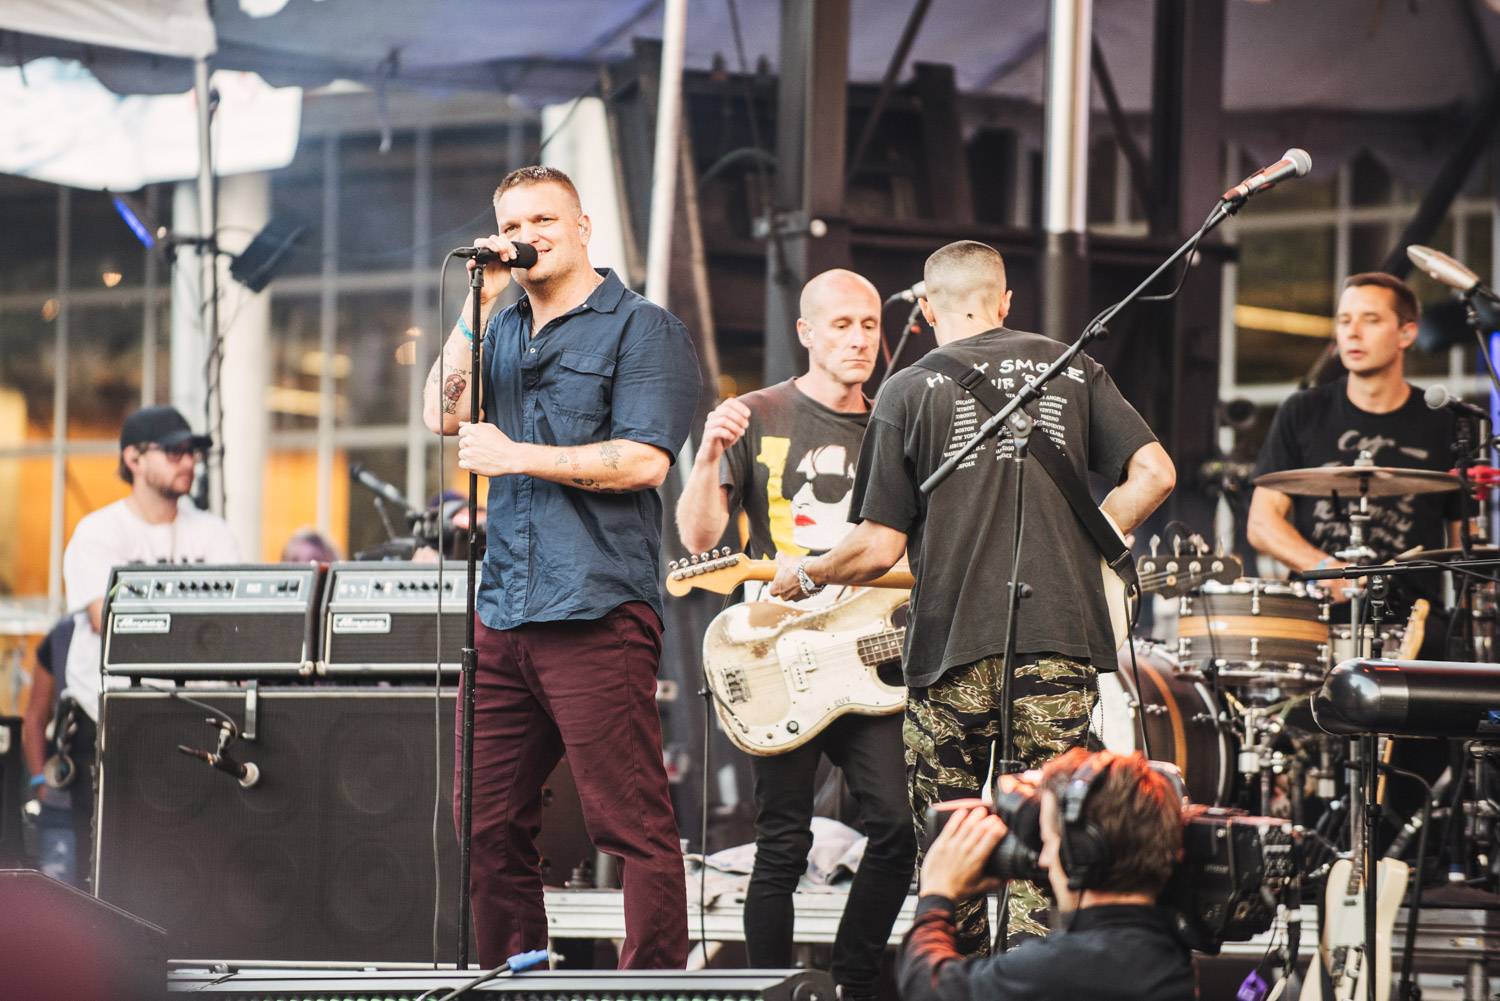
(177, 452)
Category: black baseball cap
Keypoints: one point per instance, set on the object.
(164, 426)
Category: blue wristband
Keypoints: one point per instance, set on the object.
(38, 779)
(465, 328)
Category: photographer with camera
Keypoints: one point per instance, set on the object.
(1111, 835)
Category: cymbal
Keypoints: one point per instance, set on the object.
(1445, 555)
(1351, 481)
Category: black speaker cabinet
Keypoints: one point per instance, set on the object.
(14, 789)
(329, 856)
(58, 942)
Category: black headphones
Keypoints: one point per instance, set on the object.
(1085, 856)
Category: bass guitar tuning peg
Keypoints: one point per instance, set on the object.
(1155, 545)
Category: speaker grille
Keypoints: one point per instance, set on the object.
(328, 857)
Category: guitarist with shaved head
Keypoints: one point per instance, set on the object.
(961, 544)
(785, 457)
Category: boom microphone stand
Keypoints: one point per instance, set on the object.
(470, 660)
(1005, 421)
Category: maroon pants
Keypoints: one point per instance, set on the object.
(586, 689)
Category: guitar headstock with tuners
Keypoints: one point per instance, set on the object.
(1186, 567)
(721, 571)
(718, 570)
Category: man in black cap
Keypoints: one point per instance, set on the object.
(158, 455)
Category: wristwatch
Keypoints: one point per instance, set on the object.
(805, 582)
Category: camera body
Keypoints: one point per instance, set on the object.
(1225, 888)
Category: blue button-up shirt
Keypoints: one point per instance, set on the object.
(616, 367)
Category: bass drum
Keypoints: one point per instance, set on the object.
(1181, 722)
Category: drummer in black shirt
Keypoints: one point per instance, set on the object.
(1373, 409)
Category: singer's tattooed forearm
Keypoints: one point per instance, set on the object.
(453, 390)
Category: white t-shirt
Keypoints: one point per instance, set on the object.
(116, 535)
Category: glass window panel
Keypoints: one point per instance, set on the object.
(371, 377)
(1101, 181)
(375, 203)
(297, 191)
(1286, 278)
(28, 235)
(104, 369)
(26, 373)
(289, 502)
(106, 253)
(25, 524)
(1478, 251)
(1369, 181)
(1368, 244)
(292, 397)
(93, 481)
(364, 528)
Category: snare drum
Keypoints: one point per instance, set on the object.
(1181, 721)
(1256, 632)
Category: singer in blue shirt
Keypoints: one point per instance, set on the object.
(588, 392)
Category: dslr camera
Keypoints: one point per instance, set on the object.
(1226, 887)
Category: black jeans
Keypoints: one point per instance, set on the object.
(868, 749)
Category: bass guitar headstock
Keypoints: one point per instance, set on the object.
(718, 570)
(1186, 567)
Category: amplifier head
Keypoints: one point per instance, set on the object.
(392, 618)
(204, 621)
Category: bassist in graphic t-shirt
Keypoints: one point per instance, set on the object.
(785, 456)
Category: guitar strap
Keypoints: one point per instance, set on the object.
(1051, 458)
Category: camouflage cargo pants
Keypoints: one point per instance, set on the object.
(950, 727)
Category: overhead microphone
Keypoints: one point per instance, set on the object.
(525, 255)
(380, 488)
(1293, 163)
(1445, 270)
(917, 291)
(1438, 398)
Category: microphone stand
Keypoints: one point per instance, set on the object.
(1010, 419)
(470, 659)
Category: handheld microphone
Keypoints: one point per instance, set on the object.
(917, 291)
(1438, 398)
(380, 488)
(525, 255)
(1293, 163)
(1443, 269)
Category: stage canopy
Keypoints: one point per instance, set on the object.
(1397, 71)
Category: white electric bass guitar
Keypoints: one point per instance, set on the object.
(780, 675)
(721, 571)
(1341, 946)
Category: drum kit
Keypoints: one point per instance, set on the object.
(1226, 696)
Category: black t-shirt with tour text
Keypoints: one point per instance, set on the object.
(792, 471)
(960, 537)
(1323, 427)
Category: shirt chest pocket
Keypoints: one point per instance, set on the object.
(579, 388)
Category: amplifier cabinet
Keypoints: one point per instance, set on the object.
(204, 621)
(381, 619)
(329, 856)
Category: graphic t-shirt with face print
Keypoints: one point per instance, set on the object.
(1322, 427)
(793, 471)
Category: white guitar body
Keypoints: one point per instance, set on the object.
(1343, 937)
(781, 674)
